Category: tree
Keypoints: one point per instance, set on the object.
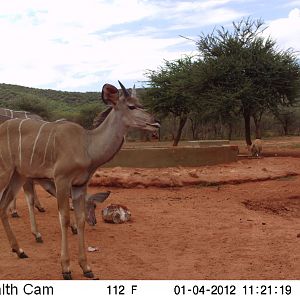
(170, 91)
(287, 116)
(246, 74)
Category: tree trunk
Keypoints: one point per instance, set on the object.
(159, 135)
(194, 129)
(247, 128)
(229, 136)
(179, 131)
(285, 128)
(257, 126)
(215, 130)
(257, 129)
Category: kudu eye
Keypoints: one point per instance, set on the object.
(131, 107)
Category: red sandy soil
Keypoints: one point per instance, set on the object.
(233, 221)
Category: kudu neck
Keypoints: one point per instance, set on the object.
(107, 139)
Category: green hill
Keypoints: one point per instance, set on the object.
(51, 104)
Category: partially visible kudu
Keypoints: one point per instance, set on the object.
(7, 114)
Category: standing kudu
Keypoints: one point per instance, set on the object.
(68, 155)
(29, 186)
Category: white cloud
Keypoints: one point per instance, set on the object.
(293, 3)
(286, 30)
(77, 45)
(207, 17)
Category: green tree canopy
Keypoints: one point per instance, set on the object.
(246, 73)
(171, 91)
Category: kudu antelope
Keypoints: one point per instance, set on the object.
(29, 186)
(69, 155)
(7, 114)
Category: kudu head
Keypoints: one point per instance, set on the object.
(132, 112)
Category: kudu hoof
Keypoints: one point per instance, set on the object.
(67, 275)
(40, 209)
(15, 215)
(39, 239)
(20, 254)
(23, 255)
(74, 230)
(88, 274)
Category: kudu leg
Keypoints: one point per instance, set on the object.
(36, 201)
(13, 208)
(63, 188)
(78, 197)
(49, 187)
(10, 192)
(37, 204)
(30, 196)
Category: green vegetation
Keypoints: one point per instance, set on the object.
(238, 74)
(51, 104)
(170, 92)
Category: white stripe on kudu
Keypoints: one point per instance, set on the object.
(36, 140)
(46, 147)
(2, 157)
(20, 140)
(8, 140)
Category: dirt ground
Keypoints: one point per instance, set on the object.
(233, 221)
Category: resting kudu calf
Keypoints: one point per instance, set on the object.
(67, 155)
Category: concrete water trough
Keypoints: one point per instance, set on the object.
(185, 156)
(206, 143)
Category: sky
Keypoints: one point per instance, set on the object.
(74, 45)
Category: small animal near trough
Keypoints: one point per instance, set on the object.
(256, 148)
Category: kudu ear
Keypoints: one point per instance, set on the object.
(110, 94)
(99, 197)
